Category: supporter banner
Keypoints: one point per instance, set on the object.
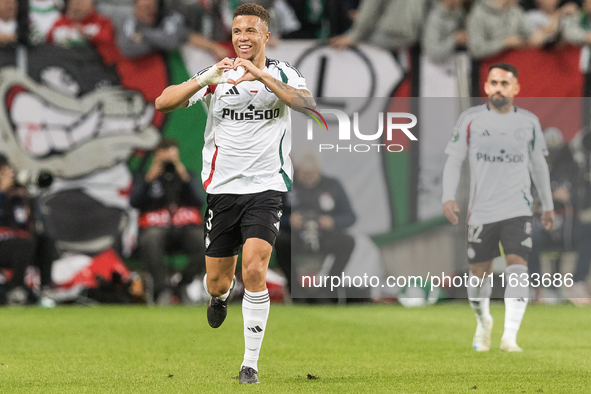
(70, 116)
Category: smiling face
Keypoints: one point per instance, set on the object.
(249, 36)
(500, 87)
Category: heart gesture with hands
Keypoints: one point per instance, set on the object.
(251, 72)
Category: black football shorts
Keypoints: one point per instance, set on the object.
(233, 218)
(514, 235)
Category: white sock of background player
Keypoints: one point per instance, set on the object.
(255, 312)
(516, 298)
(479, 296)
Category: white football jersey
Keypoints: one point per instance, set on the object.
(499, 147)
(248, 133)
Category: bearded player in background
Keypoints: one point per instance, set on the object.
(504, 145)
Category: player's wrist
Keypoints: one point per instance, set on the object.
(213, 76)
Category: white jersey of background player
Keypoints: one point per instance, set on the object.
(504, 145)
(500, 148)
(248, 133)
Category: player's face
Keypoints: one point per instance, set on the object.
(249, 36)
(8, 9)
(500, 87)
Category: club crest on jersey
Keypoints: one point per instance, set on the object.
(251, 114)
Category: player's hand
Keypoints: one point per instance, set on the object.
(215, 75)
(450, 208)
(548, 219)
(326, 223)
(251, 72)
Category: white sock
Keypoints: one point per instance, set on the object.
(223, 297)
(516, 298)
(479, 296)
(255, 311)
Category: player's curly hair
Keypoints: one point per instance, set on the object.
(254, 10)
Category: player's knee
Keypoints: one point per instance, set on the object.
(217, 286)
(254, 271)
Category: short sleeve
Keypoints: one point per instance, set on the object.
(205, 93)
(460, 139)
(291, 76)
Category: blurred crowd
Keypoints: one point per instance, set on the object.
(133, 28)
(128, 30)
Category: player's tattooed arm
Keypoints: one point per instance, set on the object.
(298, 99)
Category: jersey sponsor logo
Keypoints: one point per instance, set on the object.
(233, 91)
(503, 157)
(485, 133)
(251, 114)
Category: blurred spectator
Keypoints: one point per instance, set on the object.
(320, 215)
(169, 202)
(445, 30)
(309, 13)
(577, 29)
(16, 243)
(548, 17)
(82, 25)
(8, 23)
(143, 33)
(498, 25)
(43, 14)
(340, 15)
(389, 24)
(563, 178)
(146, 31)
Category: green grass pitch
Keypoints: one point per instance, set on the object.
(345, 349)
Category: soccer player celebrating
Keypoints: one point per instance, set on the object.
(504, 144)
(246, 168)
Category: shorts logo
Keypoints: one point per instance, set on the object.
(527, 243)
(527, 229)
(207, 242)
(277, 225)
(471, 253)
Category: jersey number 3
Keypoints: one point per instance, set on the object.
(208, 221)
